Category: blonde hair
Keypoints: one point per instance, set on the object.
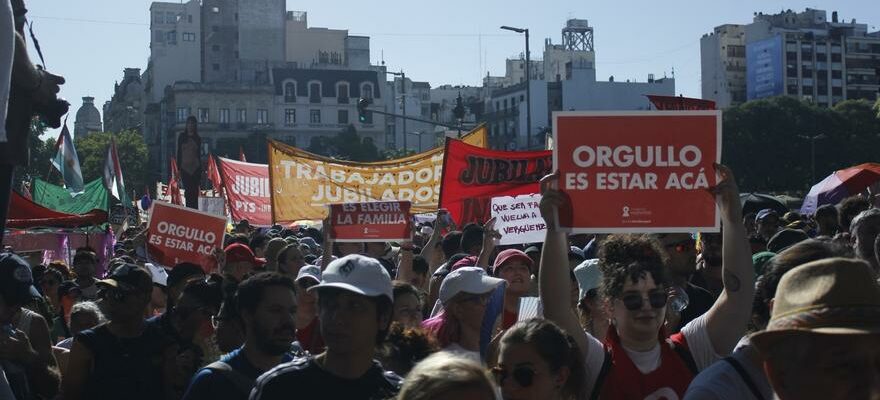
(443, 372)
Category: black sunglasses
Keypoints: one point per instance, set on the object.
(633, 301)
(523, 376)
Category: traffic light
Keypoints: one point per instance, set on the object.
(458, 111)
(363, 113)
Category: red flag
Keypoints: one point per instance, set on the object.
(680, 103)
(174, 184)
(214, 174)
(241, 156)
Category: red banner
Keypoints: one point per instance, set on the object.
(177, 234)
(248, 194)
(638, 171)
(680, 103)
(380, 221)
(472, 176)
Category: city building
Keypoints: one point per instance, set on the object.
(125, 108)
(88, 119)
(800, 54)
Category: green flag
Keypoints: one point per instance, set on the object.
(57, 198)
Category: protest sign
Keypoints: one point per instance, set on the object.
(518, 219)
(248, 194)
(177, 234)
(638, 171)
(530, 307)
(304, 184)
(379, 221)
(473, 176)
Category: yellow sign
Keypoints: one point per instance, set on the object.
(303, 184)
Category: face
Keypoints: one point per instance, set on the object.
(191, 126)
(829, 367)
(125, 304)
(49, 285)
(195, 315)
(469, 309)
(517, 362)
(863, 238)
(682, 253)
(349, 321)
(710, 244)
(768, 226)
(272, 325)
(407, 310)
(84, 267)
(518, 276)
(643, 323)
(306, 301)
(375, 249)
(291, 262)
(239, 269)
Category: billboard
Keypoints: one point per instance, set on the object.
(764, 69)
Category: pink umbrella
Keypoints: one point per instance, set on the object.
(840, 185)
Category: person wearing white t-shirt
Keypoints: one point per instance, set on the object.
(638, 360)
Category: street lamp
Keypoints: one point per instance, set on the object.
(813, 140)
(528, 84)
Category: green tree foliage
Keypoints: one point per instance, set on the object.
(39, 163)
(346, 145)
(132, 151)
(766, 141)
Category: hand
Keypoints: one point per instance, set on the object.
(552, 200)
(50, 85)
(490, 236)
(726, 193)
(443, 221)
(17, 348)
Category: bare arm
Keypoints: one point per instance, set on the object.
(490, 235)
(327, 246)
(553, 277)
(437, 235)
(728, 318)
(79, 367)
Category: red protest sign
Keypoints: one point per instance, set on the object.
(472, 176)
(177, 234)
(248, 193)
(371, 222)
(638, 171)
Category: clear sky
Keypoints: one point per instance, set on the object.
(441, 42)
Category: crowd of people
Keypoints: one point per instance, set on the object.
(774, 306)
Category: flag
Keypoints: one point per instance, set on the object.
(67, 162)
(214, 174)
(113, 174)
(26, 190)
(174, 184)
(241, 156)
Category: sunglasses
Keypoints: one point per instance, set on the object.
(634, 301)
(682, 246)
(523, 376)
(113, 294)
(481, 299)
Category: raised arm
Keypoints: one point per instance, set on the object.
(553, 277)
(440, 224)
(490, 236)
(728, 318)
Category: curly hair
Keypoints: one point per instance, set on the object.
(629, 256)
(405, 347)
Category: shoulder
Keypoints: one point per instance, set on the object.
(716, 382)
(284, 376)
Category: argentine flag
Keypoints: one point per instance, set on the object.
(67, 163)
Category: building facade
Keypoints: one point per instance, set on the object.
(799, 54)
(88, 119)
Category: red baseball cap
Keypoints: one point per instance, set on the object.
(238, 252)
(511, 255)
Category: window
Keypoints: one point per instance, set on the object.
(290, 92)
(182, 113)
(159, 36)
(188, 37)
(343, 116)
(171, 37)
(315, 116)
(170, 18)
(342, 93)
(189, 18)
(242, 115)
(522, 97)
(223, 116)
(203, 115)
(215, 67)
(159, 18)
(367, 91)
(215, 47)
(314, 92)
(262, 116)
(289, 117)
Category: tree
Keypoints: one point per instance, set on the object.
(40, 158)
(132, 152)
(346, 145)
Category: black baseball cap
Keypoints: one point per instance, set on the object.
(128, 277)
(16, 280)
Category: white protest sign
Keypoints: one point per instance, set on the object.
(518, 219)
(530, 307)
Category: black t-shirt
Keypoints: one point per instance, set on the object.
(699, 302)
(304, 379)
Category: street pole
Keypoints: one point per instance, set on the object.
(528, 95)
(813, 160)
(403, 97)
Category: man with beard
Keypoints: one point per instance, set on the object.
(267, 305)
(681, 249)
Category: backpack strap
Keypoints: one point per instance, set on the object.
(745, 377)
(603, 373)
(241, 382)
(685, 354)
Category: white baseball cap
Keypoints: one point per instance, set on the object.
(159, 274)
(588, 276)
(309, 271)
(471, 280)
(359, 274)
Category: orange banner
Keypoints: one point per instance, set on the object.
(304, 184)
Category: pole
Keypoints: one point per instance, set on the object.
(403, 97)
(813, 160)
(528, 95)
